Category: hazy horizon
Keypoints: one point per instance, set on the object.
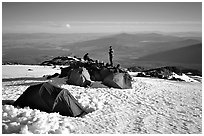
(101, 17)
(136, 32)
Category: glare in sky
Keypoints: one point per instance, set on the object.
(96, 17)
(68, 25)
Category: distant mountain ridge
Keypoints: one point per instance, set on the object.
(190, 54)
(36, 48)
(129, 46)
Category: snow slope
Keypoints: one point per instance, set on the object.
(152, 106)
(17, 71)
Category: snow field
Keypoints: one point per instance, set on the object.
(152, 106)
(17, 71)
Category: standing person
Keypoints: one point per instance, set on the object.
(111, 55)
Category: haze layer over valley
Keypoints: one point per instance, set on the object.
(128, 48)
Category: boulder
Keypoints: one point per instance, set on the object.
(52, 76)
(65, 72)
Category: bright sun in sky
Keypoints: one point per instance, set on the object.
(68, 25)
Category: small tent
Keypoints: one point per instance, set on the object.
(49, 98)
(118, 80)
(97, 84)
(104, 73)
(96, 76)
(80, 77)
(31, 98)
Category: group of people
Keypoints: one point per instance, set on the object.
(97, 65)
(87, 58)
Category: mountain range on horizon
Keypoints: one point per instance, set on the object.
(35, 48)
(191, 55)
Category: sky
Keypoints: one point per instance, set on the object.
(100, 17)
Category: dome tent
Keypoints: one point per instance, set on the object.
(79, 76)
(29, 97)
(118, 80)
(49, 98)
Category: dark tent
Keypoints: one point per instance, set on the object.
(104, 73)
(96, 76)
(79, 77)
(49, 98)
(31, 98)
(97, 85)
(118, 80)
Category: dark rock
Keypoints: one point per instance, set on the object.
(65, 71)
(52, 76)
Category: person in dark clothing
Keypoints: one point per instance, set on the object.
(86, 57)
(117, 68)
(111, 55)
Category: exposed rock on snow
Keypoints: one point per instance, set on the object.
(60, 60)
(170, 76)
(182, 77)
